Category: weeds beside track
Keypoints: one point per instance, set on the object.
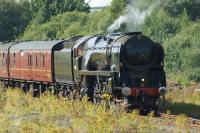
(21, 112)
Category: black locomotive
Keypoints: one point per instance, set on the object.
(127, 66)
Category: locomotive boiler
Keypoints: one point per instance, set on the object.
(127, 66)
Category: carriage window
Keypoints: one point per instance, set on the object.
(14, 60)
(43, 60)
(4, 59)
(36, 60)
(38, 56)
(30, 60)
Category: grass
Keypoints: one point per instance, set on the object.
(183, 101)
(22, 113)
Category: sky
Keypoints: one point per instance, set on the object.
(99, 3)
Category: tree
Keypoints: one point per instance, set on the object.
(43, 9)
(117, 7)
(183, 51)
(14, 17)
(176, 7)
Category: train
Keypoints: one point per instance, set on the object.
(127, 66)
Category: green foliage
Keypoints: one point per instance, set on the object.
(14, 18)
(71, 24)
(176, 7)
(59, 27)
(117, 7)
(180, 36)
(16, 15)
(183, 51)
(160, 25)
(44, 9)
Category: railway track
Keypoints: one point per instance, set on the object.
(176, 120)
(179, 120)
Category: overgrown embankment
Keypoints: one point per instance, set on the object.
(21, 112)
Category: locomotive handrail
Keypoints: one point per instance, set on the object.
(91, 73)
(100, 48)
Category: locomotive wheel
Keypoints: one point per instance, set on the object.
(95, 90)
(57, 89)
(65, 91)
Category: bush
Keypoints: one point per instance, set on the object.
(60, 26)
(183, 51)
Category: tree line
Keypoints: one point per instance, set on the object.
(16, 15)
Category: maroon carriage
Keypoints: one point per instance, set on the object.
(33, 61)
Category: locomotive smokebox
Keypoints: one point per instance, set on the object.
(138, 50)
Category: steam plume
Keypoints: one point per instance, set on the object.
(133, 17)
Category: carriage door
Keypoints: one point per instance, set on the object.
(30, 66)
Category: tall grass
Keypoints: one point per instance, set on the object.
(183, 100)
(21, 112)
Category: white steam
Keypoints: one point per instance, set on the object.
(133, 17)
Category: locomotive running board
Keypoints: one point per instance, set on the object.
(95, 73)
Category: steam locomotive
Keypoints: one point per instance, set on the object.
(127, 66)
